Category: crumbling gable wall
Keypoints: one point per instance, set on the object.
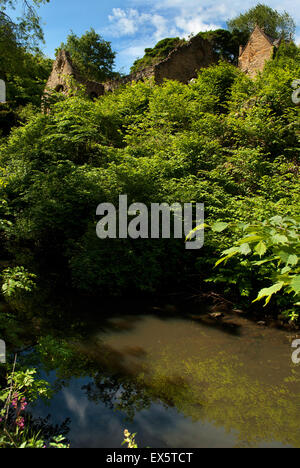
(258, 50)
(63, 69)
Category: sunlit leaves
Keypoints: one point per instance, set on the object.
(268, 292)
(279, 238)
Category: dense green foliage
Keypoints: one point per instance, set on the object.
(225, 140)
(269, 251)
(22, 66)
(91, 54)
(225, 43)
(276, 25)
(25, 84)
(24, 32)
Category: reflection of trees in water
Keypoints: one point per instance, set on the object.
(217, 390)
(119, 393)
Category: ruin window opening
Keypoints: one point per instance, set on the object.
(59, 89)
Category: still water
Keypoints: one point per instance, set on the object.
(177, 382)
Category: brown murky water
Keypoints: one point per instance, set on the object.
(184, 383)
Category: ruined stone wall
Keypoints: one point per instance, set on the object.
(63, 69)
(182, 64)
(142, 75)
(254, 56)
(185, 61)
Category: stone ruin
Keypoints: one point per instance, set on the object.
(258, 50)
(182, 64)
(63, 69)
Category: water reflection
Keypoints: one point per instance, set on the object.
(177, 382)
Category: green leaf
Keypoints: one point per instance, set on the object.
(197, 228)
(261, 248)
(276, 220)
(219, 227)
(250, 238)
(295, 284)
(245, 249)
(280, 239)
(292, 260)
(268, 292)
(228, 254)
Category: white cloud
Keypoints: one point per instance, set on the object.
(215, 11)
(125, 22)
(148, 21)
(129, 21)
(134, 51)
(77, 406)
(192, 25)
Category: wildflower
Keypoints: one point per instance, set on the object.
(14, 403)
(23, 404)
(20, 422)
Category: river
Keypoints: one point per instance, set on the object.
(178, 381)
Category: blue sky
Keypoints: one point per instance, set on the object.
(133, 25)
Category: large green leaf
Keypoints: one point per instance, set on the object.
(295, 284)
(261, 248)
(245, 249)
(268, 292)
(219, 227)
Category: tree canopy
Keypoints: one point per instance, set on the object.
(275, 24)
(18, 35)
(92, 55)
(225, 43)
(26, 30)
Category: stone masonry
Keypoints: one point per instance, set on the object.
(62, 70)
(258, 50)
(182, 64)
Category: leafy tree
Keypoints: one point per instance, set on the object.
(225, 140)
(275, 24)
(25, 32)
(26, 84)
(92, 55)
(271, 248)
(22, 66)
(225, 43)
